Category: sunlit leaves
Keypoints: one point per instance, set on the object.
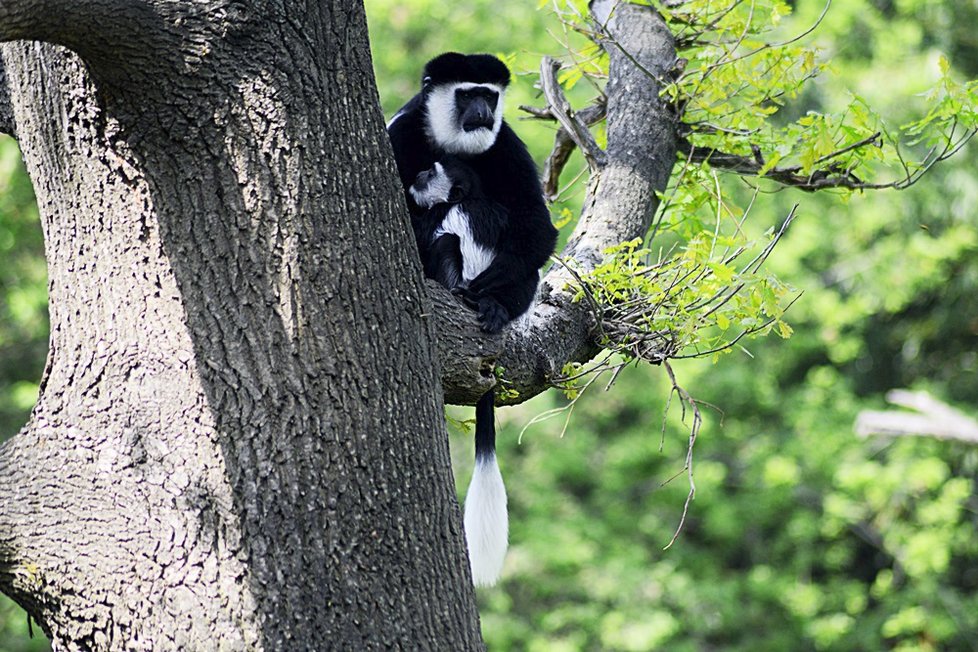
(696, 301)
(736, 76)
(951, 103)
(740, 70)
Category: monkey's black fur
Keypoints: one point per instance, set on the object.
(455, 67)
(485, 221)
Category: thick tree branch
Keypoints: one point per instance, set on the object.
(32, 20)
(467, 354)
(930, 418)
(621, 200)
(135, 43)
(72, 23)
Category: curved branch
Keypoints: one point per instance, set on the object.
(71, 23)
(621, 200)
(32, 20)
(131, 41)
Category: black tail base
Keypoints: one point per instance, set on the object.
(485, 427)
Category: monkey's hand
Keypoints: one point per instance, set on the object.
(492, 315)
(468, 297)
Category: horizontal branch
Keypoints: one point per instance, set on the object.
(829, 177)
(929, 418)
(31, 20)
(63, 22)
(136, 42)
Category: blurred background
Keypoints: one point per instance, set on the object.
(802, 536)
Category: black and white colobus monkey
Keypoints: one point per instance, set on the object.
(459, 112)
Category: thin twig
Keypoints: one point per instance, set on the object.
(693, 433)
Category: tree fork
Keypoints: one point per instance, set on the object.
(619, 206)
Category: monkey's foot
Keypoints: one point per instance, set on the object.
(492, 315)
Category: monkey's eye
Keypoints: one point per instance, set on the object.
(426, 81)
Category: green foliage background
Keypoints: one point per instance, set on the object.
(801, 536)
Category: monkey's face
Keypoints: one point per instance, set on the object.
(464, 117)
(476, 107)
(432, 186)
(448, 181)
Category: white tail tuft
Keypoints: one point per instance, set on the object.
(486, 522)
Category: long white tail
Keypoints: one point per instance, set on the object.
(486, 521)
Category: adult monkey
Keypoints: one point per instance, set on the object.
(459, 112)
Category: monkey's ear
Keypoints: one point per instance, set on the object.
(426, 82)
(456, 194)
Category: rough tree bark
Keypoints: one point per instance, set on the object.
(239, 441)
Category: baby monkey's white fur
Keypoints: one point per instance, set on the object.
(475, 258)
(437, 190)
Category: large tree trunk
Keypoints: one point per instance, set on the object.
(239, 440)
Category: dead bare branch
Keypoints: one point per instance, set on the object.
(689, 402)
(561, 110)
(928, 417)
(563, 143)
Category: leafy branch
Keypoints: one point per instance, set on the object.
(680, 304)
(730, 81)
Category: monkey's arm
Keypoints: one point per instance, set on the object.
(522, 248)
(523, 244)
(411, 150)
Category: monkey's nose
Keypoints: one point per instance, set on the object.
(477, 116)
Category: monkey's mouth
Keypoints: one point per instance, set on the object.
(474, 125)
